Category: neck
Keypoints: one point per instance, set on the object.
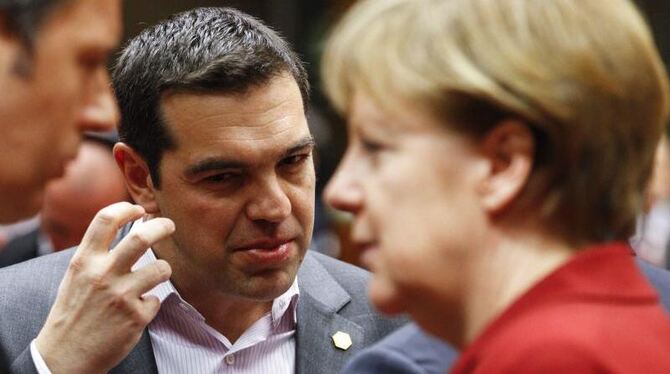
(231, 316)
(502, 274)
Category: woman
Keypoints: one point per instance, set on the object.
(498, 154)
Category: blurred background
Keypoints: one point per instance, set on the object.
(305, 23)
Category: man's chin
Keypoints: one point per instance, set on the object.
(269, 285)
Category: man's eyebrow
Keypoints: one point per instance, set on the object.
(306, 142)
(213, 163)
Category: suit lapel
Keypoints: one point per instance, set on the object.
(321, 298)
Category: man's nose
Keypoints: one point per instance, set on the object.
(100, 111)
(270, 203)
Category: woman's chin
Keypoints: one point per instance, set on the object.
(385, 296)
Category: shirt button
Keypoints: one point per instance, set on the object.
(230, 359)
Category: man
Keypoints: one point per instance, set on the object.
(53, 56)
(91, 182)
(55, 87)
(215, 139)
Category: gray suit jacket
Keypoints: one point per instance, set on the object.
(332, 298)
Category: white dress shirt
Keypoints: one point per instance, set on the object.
(183, 342)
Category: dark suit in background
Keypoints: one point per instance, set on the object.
(22, 248)
(408, 350)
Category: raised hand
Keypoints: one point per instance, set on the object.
(99, 313)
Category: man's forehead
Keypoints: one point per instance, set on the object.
(91, 23)
(257, 114)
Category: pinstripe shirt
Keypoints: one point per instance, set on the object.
(184, 343)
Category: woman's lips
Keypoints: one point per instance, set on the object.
(369, 254)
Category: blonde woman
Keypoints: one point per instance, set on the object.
(498, 153)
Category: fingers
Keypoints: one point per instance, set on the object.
(144, 279)
(138, 240)
(105, 224)
(148, 307)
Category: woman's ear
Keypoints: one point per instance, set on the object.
(138, 179)
(509, 147)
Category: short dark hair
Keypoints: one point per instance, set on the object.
(200, 50)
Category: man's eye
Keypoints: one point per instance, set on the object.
(221, 178)
(295, 159)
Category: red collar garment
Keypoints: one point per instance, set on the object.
(595, 314)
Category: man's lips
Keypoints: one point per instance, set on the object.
(267, 252)
(264, 245)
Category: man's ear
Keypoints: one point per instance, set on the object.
(138, 179)
(509, 147)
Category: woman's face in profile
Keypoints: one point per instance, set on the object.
(412, 186)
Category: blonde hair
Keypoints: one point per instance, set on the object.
(583, 74)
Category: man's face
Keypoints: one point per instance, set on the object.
(240, 188)
(65, 92)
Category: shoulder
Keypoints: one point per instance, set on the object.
(407, 350)
(38, 274)
(347, 275)
(581, 336)
(33, 282)
(554, 356)
(27, 291)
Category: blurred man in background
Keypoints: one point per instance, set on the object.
(56, 86)
(53, 73)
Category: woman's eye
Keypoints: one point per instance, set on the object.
(371, 146)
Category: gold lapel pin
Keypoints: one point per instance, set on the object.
(342, 340)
